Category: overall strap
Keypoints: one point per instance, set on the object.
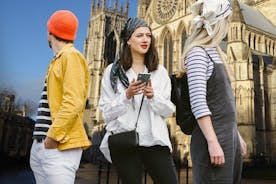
(209, 57)
(207, 53)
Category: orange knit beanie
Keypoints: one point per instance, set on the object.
(63, 24)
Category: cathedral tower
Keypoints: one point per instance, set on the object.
(100, 49)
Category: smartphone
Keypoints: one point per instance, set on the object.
(144, 77)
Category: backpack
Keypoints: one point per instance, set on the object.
(181, 99)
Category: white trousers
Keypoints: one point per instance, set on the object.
(51, 166)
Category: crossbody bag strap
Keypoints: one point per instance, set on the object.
(139, 112)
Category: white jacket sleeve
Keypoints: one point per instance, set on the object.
(111, 105)
(161, 101)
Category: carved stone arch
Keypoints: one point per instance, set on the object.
(181, 31)
(240, 88)
(241, 91)
(160, 42)
(165, 30)
(166, 39)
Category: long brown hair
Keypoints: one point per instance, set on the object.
(151, 57)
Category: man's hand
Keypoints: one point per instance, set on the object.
(50, 143)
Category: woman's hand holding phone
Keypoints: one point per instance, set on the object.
(135, 88)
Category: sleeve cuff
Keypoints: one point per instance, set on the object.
(61, 138)
(155, 96)
(124, 99)
(198, 116)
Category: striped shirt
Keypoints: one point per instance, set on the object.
(43, 118)
(200, 69)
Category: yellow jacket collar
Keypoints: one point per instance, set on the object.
(65, 47)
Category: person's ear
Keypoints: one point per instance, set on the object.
(128, 43)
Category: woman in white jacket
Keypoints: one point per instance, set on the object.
(120, 100)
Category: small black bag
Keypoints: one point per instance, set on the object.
(123, 140)
(180, 97)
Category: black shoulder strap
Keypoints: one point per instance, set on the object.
(139, 111)
(207, 54)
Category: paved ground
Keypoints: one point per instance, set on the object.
(87, 174)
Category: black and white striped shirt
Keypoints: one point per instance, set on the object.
(200, 68)
(43, 118)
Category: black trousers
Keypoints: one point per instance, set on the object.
(157, 160)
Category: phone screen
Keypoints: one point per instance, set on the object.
(144, 77)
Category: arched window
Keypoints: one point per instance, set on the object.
(168, 52)
(183, 39)
(110, 48)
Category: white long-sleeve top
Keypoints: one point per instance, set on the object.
(120, 114)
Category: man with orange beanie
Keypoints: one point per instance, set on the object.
(59, 135)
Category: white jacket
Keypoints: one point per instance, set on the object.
(120, 114)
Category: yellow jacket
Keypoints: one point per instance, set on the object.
(67, 87)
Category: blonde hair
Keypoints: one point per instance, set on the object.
(200, 37)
